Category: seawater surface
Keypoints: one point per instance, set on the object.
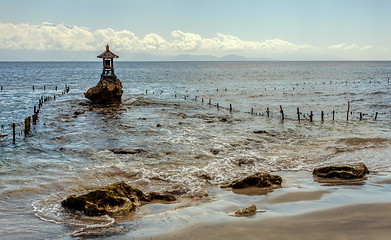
(183, 142)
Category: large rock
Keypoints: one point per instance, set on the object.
(116, 199)
(260, 180)
(106, 92)
(348, 171)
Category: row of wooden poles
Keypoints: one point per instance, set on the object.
(300, 116)
(32, 120)
(44, 88)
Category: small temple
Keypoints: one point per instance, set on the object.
(109, 88)
(108, 63)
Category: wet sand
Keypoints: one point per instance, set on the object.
(362, 221)
(301, 209)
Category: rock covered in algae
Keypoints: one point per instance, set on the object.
(116, 199)
(245, 212)
(106, 92)
(260, 180)
(348, 171)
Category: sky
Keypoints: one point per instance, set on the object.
(254, 29)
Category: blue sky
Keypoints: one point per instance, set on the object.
(281, 29)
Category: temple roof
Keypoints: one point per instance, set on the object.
(108, 54)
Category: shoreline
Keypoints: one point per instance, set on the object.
(361, 221)
(302, 209)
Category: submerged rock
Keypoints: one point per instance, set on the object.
(260, 180)
(107, 91)
(116, 199)
(127, 151)
(348, 171)
(245, 212)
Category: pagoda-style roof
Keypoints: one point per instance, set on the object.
(108, 54)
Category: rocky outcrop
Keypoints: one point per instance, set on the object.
(348, 171)
(260, 180)
(116, 199)
(107, 91)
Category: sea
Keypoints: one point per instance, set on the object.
(189, 128)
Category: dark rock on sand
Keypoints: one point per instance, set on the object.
(271, 134)
(76, 113)
(127, 151)
(106, 92)
(245, 212)
(260, 180)
(348, 171)
(116, 199)
(162, 197)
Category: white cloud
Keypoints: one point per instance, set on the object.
(353, 46)
(368, 47)
(45, 37)
(338, 46)
(186, 41)
(49, 36)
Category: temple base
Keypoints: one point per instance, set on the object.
(107, 91)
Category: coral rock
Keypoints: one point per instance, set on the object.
(115, 199)
(348, 171)
(106, 92)
(260, 180)
(252, 210)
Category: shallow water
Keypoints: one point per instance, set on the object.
(185, 145)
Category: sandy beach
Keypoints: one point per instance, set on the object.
(331, 210)
(363, 221)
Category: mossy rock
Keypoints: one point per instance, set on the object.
(116, 199)
(106, 92)
(260, 180)
(348, 171)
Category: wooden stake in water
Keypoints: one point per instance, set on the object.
(13, 132)
(267, 112)
(27, 125)
(311, 116)
(218, 107)
(230, 108)
(376, 116)
(347, 114)
(360, 116)
(252, 111)
(333, 114)
(322, 116)
(35, 117)
(282, 113)
(298, 114)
